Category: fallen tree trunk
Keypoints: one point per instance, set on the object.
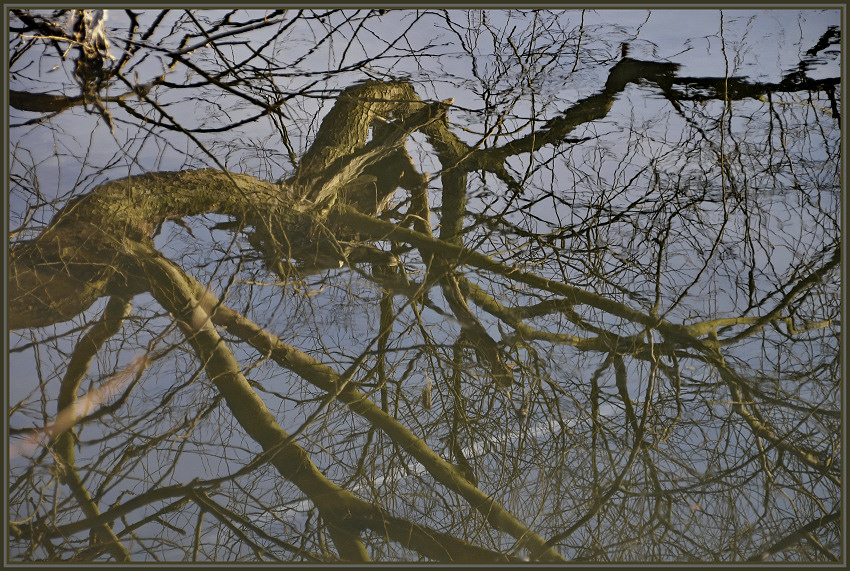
(75, 260)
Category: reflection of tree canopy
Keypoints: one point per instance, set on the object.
(333, 315)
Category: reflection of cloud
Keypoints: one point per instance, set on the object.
(535, 429)
(81, 407)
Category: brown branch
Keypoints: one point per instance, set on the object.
(191, 305)
(794, 537)
(42, 102)
(328, 380)
(110, 323)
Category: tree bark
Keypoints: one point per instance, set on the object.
(74, 261)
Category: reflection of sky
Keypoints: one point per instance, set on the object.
(492, 447)
(693, 39)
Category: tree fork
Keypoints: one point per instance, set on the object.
(191, 305)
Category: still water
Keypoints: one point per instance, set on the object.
(596, 316)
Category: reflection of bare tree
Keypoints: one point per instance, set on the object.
(507, 387)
